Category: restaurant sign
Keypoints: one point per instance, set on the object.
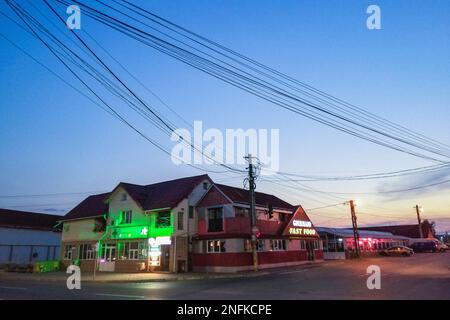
(300, 225)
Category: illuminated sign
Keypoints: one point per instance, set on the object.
(302, 231)
(129, 232)
(155, 249)
(300, 225)
(158, 241)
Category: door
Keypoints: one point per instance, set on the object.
(165, 257)
(310, 250)
(108, 258)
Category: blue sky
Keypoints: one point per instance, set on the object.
(53, 140)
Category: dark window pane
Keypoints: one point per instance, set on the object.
(163, 219)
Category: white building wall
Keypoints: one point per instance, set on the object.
(117, 205)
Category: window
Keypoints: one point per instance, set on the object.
(132, 250)
(303, 244)
(87, 252)
(240, 212)
(163, 219)
(180, 220)
(123, 197)
(66, 227)
(99, 224)
(126, 217)
(68, 252)
(215, 219)
(277, 245)
(205, 185)
(191, 212)
(247, 245)
(317, 244)
(215, 246)
(282, 217)
(260, 245)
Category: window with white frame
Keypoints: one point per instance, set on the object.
(247, 245)
(277, 244)
(215, 246)
(302, 244)
(180, 220)
(132, 250)
(86, 252)
(68, 252)
(133, 253)
(127, 216)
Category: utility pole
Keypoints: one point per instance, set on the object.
(355, 228)
(418, 220)
(251, 181)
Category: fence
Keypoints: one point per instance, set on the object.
(24, 254)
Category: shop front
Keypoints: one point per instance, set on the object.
(135, 248)
(287, 243)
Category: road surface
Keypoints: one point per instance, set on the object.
(423, 276)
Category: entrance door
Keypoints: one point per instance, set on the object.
(108, 258)
(165, 257)
(310, 250)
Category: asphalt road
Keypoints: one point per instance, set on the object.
(423, 276)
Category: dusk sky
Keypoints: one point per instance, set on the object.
(53, 140)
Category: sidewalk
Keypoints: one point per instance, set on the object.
(61, 276)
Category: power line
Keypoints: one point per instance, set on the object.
(214, 69)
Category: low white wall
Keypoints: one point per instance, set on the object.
(333, 255)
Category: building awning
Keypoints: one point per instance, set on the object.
(348, 233)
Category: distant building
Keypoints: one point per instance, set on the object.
(338, 243)
(409, 230)
(27, 237)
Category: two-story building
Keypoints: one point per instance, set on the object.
(286, 236)
(135, 227)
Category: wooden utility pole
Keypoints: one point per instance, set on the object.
(355, 228)
(418, 220)
(251, 181)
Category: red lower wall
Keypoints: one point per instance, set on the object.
(236, 259)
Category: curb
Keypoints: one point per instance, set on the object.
(90, 280)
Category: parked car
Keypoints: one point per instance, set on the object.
(428, 246)
(398, 251)
(441, 247)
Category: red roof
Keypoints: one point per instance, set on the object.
(28, 220)
(92, 206)
(242, 196)
(166, 194)
(410, 230)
